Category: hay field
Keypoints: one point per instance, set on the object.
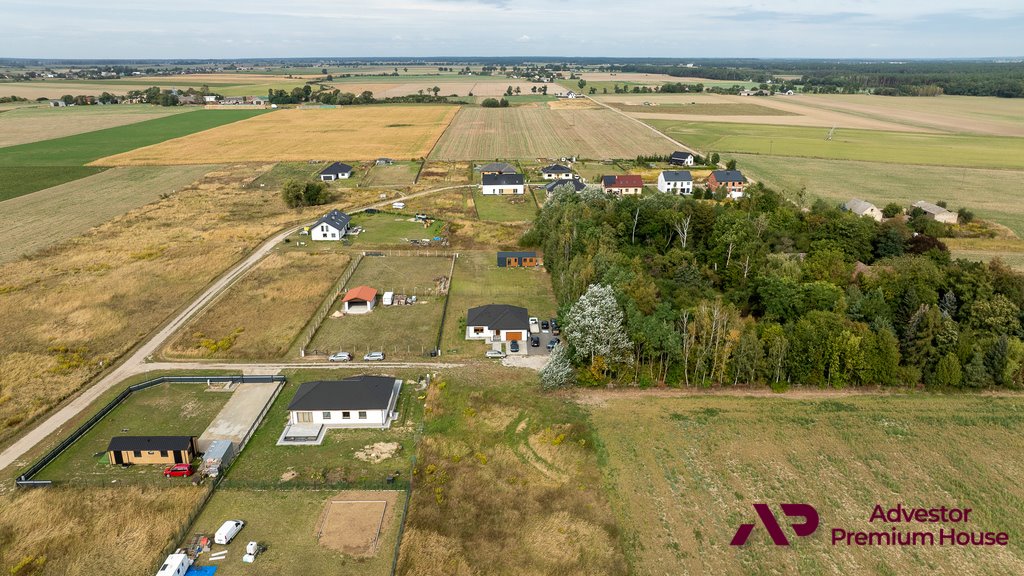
(683, 472)
(1008, 250)
(527, 132)
(36, 221)
(77, 529)
(881, 183)
(86, 301)
(351, 132)
(705, 109)
(927, 150)
(507, 484)
(262, 313)
(24, 125)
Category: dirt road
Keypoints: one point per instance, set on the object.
(679, 144)
(136, 362)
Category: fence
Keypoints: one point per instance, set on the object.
(430, 253)
(325, 306)
(26, 478)
(444, 310)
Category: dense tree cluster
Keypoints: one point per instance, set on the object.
(758, 291)
(299, 194)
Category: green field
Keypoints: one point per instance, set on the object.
(386, 228)
(991, 194)
(513, 208)
(397, 174)
(170, 409)
(29, 167)
(849, 144)
(683, 473)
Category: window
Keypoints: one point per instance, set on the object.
(362, 414)
(163, 453)
(137, 453)
(478, 330)
(334, 235)
(346, 415)
(327, 415)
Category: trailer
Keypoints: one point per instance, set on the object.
(176, 564)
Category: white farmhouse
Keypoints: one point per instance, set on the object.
(675, 182)
(863, 208)
(936, 212)
(333, 226)
(336, 171)
(356, 402)
(501, 184)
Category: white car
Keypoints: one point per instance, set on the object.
(374, 357)
(340, 357)
(398, 205)
(495, 354)
(227, 531)
(534, 326)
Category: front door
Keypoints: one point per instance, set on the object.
(177, 457)
(304, 417)
(118, 457)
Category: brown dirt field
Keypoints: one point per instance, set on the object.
(352, 521)
(351, 132)
(573, 104)
(75, 530)
(445, 172)
(35, 124)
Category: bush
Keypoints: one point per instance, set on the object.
(892, 210)
(490, 103)
(298, 194)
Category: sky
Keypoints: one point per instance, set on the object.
(423, 28)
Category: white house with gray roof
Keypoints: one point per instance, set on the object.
(863, 208)
(676, 182)
(332, 226)
(501, 184)
(936, 212)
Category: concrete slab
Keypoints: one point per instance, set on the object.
(239, 417)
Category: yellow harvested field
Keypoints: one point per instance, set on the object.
(32, 124)
(351, 132)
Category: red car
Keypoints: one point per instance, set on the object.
(178, 470)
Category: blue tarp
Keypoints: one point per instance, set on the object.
(201, 571)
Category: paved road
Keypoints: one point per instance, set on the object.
(136, 362)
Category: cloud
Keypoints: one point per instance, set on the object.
(523, 38)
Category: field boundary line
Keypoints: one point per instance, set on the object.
(645, 125)
(444, 309)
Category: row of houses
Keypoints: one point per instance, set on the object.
(931, 211)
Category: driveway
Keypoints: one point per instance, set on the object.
(242, 413)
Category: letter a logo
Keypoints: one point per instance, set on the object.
(771, 524)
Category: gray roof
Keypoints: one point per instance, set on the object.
(355, 393)
(122, 443)
(680, 155)
(503, 179)
(929, 207)
(500, 167)
(677, 176)
(729, 176)
(556, 169)
(499, 317)
(339, 220)
(858, 206)
(576, 183)
(337, 168)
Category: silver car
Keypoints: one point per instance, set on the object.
(374, 357)
(340, 357)
(494, 354)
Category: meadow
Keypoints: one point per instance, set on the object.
(351, 132)
(507, 483)
(683, 472)
(515, 208)
(259, 316)
(389, 229)
(31, 124)
(36, 221)
(543, 132)
(972, 151)
(397, 174)
(991, 194)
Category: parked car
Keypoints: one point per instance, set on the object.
(534, 326)
(513, 346)
(374, 357)
(535, 341)
(555, 329)
(544, 326)
(553, 342)
(495, 354)
(227, 531)
(340, 357)
(184, 470)
(398, 205)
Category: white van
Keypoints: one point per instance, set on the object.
(228, 531)
(389, 299)
(398, 205)
(175, 565)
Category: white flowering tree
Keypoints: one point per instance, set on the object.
(559, 371)
(595, 327)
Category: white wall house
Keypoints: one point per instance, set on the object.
(680, 158)
(497, 323)
(675, 182)
(333, 226)
(936, 212)
(356, 402)
(336, 171)
(502, 184)
(863, 208)
(557, 172)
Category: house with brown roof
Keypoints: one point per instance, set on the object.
(359, 300)
(623, 184)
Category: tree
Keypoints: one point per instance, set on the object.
(436, 90)
(508, 91)
(582, 83)
(558, 372)
(518, 90)
(299, 194)
(892, 210)
(503, 103)
(714, 158)
(595, 327)
(731, 164)
(490, 103)
(947, 372)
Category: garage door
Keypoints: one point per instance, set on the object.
(514, 336)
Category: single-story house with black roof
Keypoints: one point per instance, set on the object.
(497, 323)
(680, 158)
(151, 450)
(557, 172)
(357, 402)
(575, 183)
(517, 259)
(336, 171)
(332, 226)
(500, 184)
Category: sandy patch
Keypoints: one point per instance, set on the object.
(378, 452)
(352, 521)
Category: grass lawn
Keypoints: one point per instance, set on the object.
(508, 483)
(387, 228)
(397, 174)
(882, 183)
(403, 332)
(518, 100)
(285, 521)
(477, 281)
(506, 208)
(683, 472)
(849, 144)
(282, 172)
(171, 409)
(333, 463)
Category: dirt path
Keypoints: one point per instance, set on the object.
(136, 362)
(651, 128)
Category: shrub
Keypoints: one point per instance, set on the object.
(299, 194)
